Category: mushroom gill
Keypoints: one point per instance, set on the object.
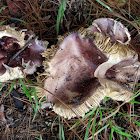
(15, 62)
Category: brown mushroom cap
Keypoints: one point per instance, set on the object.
(112, 38)
(126, 73)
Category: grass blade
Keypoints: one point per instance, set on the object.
(59, 128)
(3, 8)
(61, 131)
(136, 95)
(101, 129)
(11, 88)
(94, 123)
(60, 15)
(88, 114)
(130, 117)
(3, 22)
(36, 103)
(87, 131)
(89, 14)
(120, 132)
(111, 135)
(103, 4)
(19, 20)
(135, 102)
(25, 90)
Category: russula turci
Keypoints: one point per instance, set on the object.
(112, 38)
(89, 66)
(116, 31)
(11, 42)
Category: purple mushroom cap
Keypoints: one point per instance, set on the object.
(116, 31)
(72, 71)
(11, 42)
(89, 66)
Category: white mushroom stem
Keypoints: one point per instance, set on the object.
(102, 69)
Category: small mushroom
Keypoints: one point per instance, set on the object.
(87, 67)
(116, 31)
(15, 62)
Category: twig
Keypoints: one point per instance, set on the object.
(22, 49)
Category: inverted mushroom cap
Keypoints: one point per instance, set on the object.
(17, 66)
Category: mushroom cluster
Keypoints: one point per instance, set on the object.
(20, 53)
(89, 65)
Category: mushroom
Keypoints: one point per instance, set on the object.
(72, 75)
(113, 39)
(116, 31)
(16, 62)
(84, 70)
